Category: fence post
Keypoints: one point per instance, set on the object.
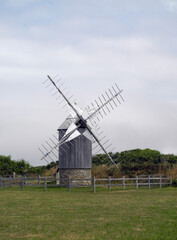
(68, 184)
(10, 181)
(57, 178)
(39, 179)
(136, 182)
(1, 183)
(123, 182)
(25, 180)
(22, 183)
(149, 181)
(45, 184)
(93, 184)
(170, 180)
(109, 183)
(160, 181)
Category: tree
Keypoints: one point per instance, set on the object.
(7, 166)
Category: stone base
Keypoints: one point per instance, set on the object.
(75, 177)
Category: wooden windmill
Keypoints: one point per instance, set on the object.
(79, 135)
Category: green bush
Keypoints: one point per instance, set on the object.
(21, 167)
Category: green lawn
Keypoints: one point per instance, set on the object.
(82, 214)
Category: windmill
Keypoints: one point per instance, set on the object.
(79, 135)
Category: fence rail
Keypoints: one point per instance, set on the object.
(51, 181)
(148, 181)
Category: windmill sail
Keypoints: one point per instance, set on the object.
(98, 109)
(75, 134)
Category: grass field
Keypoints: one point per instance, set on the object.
(81, 214)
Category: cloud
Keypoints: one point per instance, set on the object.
(128, 45)
(171, 5)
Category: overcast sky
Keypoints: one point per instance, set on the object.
(91, 44)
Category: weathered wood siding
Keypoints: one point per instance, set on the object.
(76, 153)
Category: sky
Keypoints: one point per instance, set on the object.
(90, 44)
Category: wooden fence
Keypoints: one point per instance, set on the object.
(139, 181)
(49, 181)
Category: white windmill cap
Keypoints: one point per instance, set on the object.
(65, 125)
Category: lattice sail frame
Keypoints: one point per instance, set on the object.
(78, 117)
